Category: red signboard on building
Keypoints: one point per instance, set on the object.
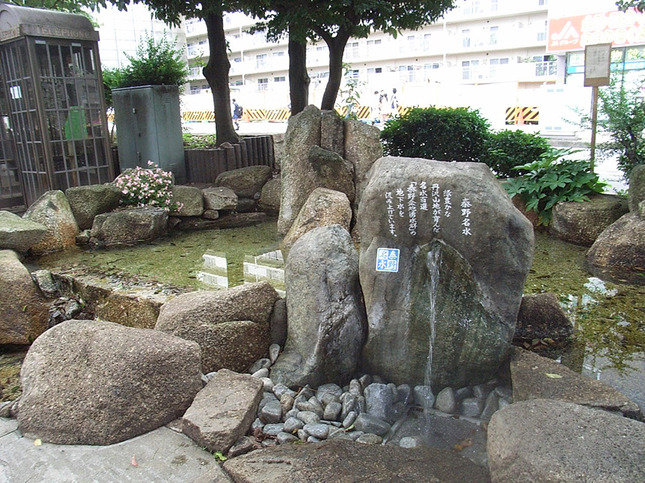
(576, 32)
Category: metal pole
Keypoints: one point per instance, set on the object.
(594, 123)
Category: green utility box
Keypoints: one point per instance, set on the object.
(148, 128)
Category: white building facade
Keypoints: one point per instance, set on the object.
(497, 56)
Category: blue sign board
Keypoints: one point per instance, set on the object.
(387, 260)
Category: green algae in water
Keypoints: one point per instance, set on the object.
(609, 318)
(174, 260)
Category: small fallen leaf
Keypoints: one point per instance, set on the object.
(463, 444)
(553, 376)
(38, 442)
(134, 461)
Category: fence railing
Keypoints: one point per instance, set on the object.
(204, 165)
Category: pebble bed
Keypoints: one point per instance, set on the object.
(367, 410)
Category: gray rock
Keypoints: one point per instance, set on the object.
(283, 438)
(326, 322)
(279, 322)
(324, 207)
(349, 419)
(231, 326)
(332, 411)
(246, 205)
(271, 412)
(245, 182)
(210, 214)
(411, 442)
(273, 429)
(581, 223)
(332, 171)
(471, 407)
(286, 402)
(544, 440)
(618, 254)
(242, 446)
(319, 462)
(531, 380)
(298, 181)
(462, 275)
(362, 148)
(308, 417)
(636, 187)
(18, 233)
(46, 283)
(541, 316)
(24, 309)
(54, 212)
(291, 425)
(219, 198)
(371, 424)
(223, 411)
(423, 396)
(130, 392)
(445, 401)
(380, 401)
(331, 133)
(369, 438)
(280, 389)
(274, 352)
(492, 405)
(269, 201)
(88, 201)
(329, 388)
(404, 394)
(319, 430)
(262, 363)
(191, 201)
(349, 404)
(129, 226)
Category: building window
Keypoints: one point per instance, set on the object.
(468, 69)
(263, 84)
(426, 41)
(406, 73)
(280, 78)
(465, 38)
(493, 5)
(351, 51)
(493, 35)
(260, 61)
(493, 66)
(541, 36)
(353, 75)
(279, 54)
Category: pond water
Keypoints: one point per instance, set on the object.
(609, 319)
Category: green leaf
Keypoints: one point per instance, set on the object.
(553, 376)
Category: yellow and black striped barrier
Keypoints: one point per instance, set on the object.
(522, 115)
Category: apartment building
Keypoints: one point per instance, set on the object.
(493, 55)
(481, 48)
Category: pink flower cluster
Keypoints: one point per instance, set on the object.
(150, 186)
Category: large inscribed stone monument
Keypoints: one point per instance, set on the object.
(444, 257)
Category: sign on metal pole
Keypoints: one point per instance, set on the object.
(597, 71)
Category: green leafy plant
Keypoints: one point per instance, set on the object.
(350, 94)
(150, 186)
(507, 149)
(199, 141)
(444, 134)
(552, 179)
(155, 63)
(622, 116)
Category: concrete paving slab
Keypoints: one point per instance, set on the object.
(162, 455)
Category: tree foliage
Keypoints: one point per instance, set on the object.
(218, 66)
(622, 116)
(70, 6)
(336, 21)
(623, 5)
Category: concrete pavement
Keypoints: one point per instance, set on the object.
(160, 456)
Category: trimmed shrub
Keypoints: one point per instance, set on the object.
(443, 134)
(508, 149)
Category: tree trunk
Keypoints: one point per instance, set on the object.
(336, 47)
(216, 73)
(298, 77)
